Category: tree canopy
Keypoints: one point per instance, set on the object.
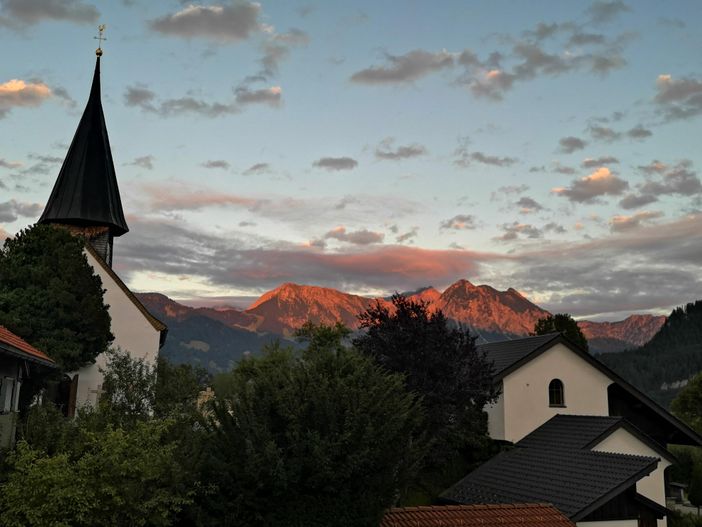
(561, 323)
(443, 366)
(321, 437)
(50, 296)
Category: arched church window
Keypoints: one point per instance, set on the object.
(556, 397)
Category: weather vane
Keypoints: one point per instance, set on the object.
(100, 38)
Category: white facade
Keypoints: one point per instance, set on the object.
(523, 405)
(652, 486)
(610, 523)
(134, 332)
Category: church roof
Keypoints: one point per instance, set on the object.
(86, 191)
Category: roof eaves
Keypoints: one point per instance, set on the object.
(636, 432)
(156, 323)
(23, 355)
(615, 491)
(526, 358)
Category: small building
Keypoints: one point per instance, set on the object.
(515, 515)
(584, 439)
(18, 361)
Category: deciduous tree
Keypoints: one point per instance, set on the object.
(322, 437)
(561, 323)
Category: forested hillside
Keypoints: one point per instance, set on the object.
(664, 364)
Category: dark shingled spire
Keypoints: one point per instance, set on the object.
(86, 195)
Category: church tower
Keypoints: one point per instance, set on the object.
(85, 198)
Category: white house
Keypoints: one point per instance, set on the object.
(570, 417)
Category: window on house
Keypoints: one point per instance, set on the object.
(555, 393)
(6, 393)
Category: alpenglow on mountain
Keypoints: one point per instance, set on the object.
(217, 337)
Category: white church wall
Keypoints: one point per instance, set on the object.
(651, 486)
(133, 333)
(525, 391)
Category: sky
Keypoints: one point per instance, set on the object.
(373, 147)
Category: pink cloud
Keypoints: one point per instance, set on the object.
(180, 196)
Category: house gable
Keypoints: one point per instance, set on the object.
(526, 390)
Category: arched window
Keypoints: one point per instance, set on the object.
(556, 397)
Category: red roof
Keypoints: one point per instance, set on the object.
(513, 515)
(13, 343)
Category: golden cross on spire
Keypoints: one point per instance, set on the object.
(100, 38)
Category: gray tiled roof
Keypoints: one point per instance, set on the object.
(570, 431)
(507, 352)
(574, 481)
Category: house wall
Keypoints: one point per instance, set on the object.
(496, 417)
(8, 420)
(610, 523)
(651, 486)
(132, 331)
(525, 391)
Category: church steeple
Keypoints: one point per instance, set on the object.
(85, 197)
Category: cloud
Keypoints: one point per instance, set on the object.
(30, 12)
(177, 196)
(11, 210)
(654, 167)
(602, 133)
(270, 96)
(145, 99)
(404, 68)
(554, 227)
(570, 144)
(232, 260)
(528, 59)
(216, 163)
(360, 237)
(18, 93)
(508, 190)
(464, 157)
(563, 169)
(407, 236)
(586, 189)
(4, 163)
(486, 159)
(678, 98)
(385, 150)
(639, 132)
(625, 223)
(602, 11)
(146, 162)
(589, 162)
(222, 23)
(512, 231)
(679, 179)
(258, 168)
(660, 261)
(634, 201)
(528, 205)
(336, 163)
(459, 222)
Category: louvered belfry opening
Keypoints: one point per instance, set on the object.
(85, 198)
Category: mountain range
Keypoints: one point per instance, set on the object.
(216, 338)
